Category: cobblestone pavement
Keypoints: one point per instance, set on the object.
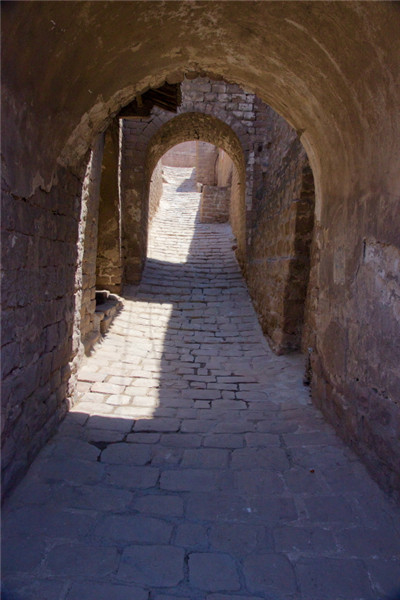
(194, 466)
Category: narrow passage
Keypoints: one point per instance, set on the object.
(194, 466)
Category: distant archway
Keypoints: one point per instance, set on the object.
(202, 127)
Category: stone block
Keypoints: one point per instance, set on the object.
(157, 425)
(194, 479)
(191, 535)
(224, 440)
(213, 572)
(23, 555)
(329, 509)
(78, 560)
(153, 566)
(106, 591)
(126, 454)
(240, 538)
(134, 528)
(265, 482)
(205, 458)
(131, 477)
(270, 574)
(162, 505)
(326, 578)
(271, 458)
(49, 523)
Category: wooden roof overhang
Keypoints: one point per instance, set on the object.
(167, 97)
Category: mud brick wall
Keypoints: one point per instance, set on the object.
(182, 155)
(39, 251)
(214, 204)
(108, 264)
(279, 250)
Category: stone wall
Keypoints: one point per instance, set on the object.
(355, 357)
(214, 204)
(206, 161)
(89, 321)
(156, 189)
(224, 169)
(108, 265)
(210, 129)
(214, 170)
(181, 155)
(237, 215)
(39, 252)
(278, 257)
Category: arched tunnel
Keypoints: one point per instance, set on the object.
(327, 72)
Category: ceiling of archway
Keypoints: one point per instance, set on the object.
(328, 67)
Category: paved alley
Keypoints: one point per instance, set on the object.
(194, 466)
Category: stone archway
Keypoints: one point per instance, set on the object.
(304, 60)
(187, 126)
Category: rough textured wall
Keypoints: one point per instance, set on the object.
(39, 237)
(278, 255)
(237, 214)
(182, 155)
(355, 356)
(214, 204)
(224, 169)
(108, 264)
(214, 170)
(134, 211)
(90, 324)
(156, 188)
(206, 161)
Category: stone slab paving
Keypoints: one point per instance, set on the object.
(194, 466)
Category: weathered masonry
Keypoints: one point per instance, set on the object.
(313, 201)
